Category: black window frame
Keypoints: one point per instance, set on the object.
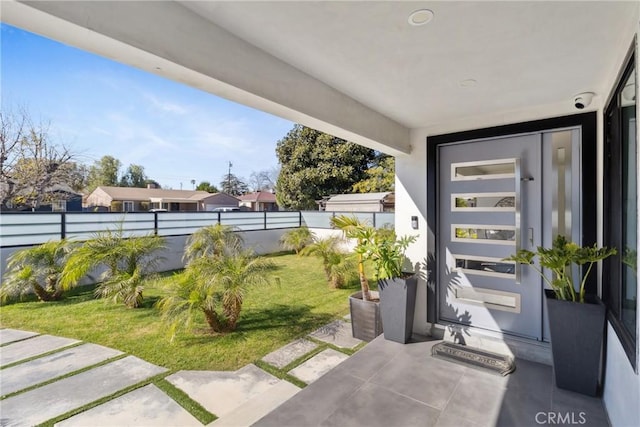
(613, 211)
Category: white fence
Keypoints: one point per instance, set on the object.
(33, 228)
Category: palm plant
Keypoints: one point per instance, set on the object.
(337, 267)
(127, 261)
(36, 270)
(212, 240)
(297, 239)
(215, 286)
(363, 233)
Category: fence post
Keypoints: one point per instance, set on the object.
(265, 220)
(218, 217)
(374, 219)
(155, 223)
(63, 225)
(299, 219)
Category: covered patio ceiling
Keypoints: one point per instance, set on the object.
(359, 70)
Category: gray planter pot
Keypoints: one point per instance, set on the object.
(365, 316)
(577, 332)
(397, 306)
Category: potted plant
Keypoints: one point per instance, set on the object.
(397, 288)
(576, 319)
(364, 306)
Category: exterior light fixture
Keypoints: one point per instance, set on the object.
(420, 17)
(414, 222)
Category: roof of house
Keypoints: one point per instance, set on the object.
(259, 196)
(132, 193)
(359, 197)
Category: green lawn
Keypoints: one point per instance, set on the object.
(296, 302)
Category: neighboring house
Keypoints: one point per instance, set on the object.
(259, 201)
(130, 199)
(359, 202)
(58, 198)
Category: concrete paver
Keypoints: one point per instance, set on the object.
(337, 333)
(54, 365)
(222, 392)
(318, 365)
(290, 352)
(11, 335)
(49, 401)
(31, 347)
(146, 406)
(259, 406)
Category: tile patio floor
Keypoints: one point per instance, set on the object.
(388, 384)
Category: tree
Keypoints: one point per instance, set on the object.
(78, 174)
(314, 164)
(127, 261)
(134, 177)
(264, 180)
(364, 234)
(297, 239)
(380, 177)
(216, 278)
(206, 186)
(36, 270)
(31, 165)
(336, 265)
(233, 185)
(104, 172)
(211, 241)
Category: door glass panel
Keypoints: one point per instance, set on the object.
(496, 234)
(484, 202)
(484, 266)
(485, 169)
(505, 301)
(629, 205)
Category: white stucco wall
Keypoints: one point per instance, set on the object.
(621, 394)
(263, 242)
(411, 200)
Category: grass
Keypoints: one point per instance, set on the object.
(296, 302)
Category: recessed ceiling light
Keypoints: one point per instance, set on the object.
(420, 17)
(468, 83)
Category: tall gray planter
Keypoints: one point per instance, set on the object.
(365, 316)
(397, 307)
(577, 332)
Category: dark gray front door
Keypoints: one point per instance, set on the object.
(490, 202)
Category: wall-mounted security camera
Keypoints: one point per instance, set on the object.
(582, 100)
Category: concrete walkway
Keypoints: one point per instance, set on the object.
(44, 377)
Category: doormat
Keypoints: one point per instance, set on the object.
(474, 358)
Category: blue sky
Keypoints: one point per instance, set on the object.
(99, 107)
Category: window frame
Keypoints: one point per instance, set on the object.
(612, 268)
(125, 203)
(59, 206)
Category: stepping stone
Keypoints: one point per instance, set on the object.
(54, 365)
(32, 347)
(337, 333)
(318, 365)
(259, 406)
(11, 335)
(222, 392)
(290, 352)
(146, 406)
(52, 400)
